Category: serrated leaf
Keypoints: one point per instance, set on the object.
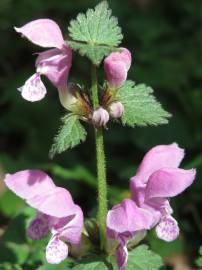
(96, 33)
(70, 134)
(92, 263)
(140, 106)
(94, 52)
(65, 265)
(141, 258)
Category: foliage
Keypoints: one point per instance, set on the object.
(96, 33)
(140, 106)
(69, 135)
(140, 258)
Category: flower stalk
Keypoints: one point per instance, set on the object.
(101, 170)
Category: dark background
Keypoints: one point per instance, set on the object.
(165, 38)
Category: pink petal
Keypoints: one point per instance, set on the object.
(126, 57)
(123, 56)
(33, 89)
(56, 251)
(137, 190)
(169, 182)
(39, 191)
(122, 257)
(116, 73)
(55, 64)
(56, 203)
(127, 217)
(167, 229)
(158, 157)
(38, 228)
(42, 32)
(70, 228)
(29, 183)
(116, 67)
(72, 231)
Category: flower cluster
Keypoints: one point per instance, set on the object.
(158, 179)
(55, 64)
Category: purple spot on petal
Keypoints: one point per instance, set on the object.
(33, 89)
(56, 251)
(167, 229)
(38, 228)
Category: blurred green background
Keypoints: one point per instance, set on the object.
(165, 38)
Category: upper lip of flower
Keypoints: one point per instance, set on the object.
(43, 32)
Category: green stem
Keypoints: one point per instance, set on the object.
(101, 171)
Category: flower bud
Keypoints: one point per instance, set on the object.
(116, 66)
(116, 109)
(100, 117)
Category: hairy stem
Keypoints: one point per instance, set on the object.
(101, 171)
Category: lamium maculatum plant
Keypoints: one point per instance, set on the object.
(119, 228)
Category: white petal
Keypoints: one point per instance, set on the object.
(33, 89)
(56, 251)
(167, 229)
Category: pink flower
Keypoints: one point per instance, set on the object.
(54, 63)
(116, 67)
(56, 211)
(158, 179)
(123, 223)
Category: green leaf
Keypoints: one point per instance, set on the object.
(140, 106)
(96, 33)
(141, 258)
(70, 134)
(65, 265)
(94, 52)
(93, 263)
